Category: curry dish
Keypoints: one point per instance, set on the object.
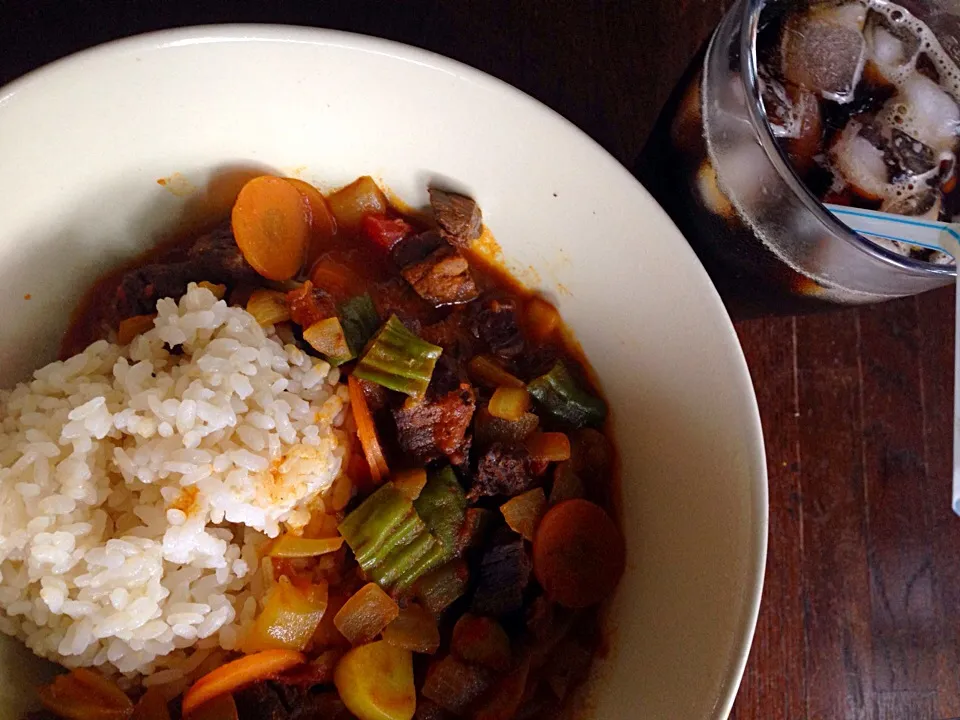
(451, 563)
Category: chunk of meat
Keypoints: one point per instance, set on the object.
(429, 710)
(324, 706)
(219, 259)
(536, 361)
(496, 326)
(504, 469)
(435, 427)
(504, 575)
(396, 297)
(458, 217)
(448, 375)
(455, 685)
(448, 333)
(415, 248)
(567, 667)
(442, 278)
(261, 701)
(376, 395)
(214, 257)
(140, 289)
(279, 701)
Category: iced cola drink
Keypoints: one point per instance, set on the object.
(793, 104)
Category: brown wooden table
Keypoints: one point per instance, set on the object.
(863, 575)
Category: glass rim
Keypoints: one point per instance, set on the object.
(749, 29)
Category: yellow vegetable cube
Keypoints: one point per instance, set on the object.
(289, 618)
(375, 682)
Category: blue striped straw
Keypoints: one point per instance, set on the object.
(933, 235)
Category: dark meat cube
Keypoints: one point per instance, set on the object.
(433, 428)
(503, 578)
(448, 375)
(455, 685)
(429, 710)
(541, 618)
(442, 278)
(375, 395)
(458, 217)
(504, 469)
(141, 288)
(449, 333)
(219, 260)
(539, 704)
(567, 667)
(536, 361)
(292, 695)
(396, 297)
(415, 248)
(496, 326)
(214, 257)
(324, 706)
(261, 701)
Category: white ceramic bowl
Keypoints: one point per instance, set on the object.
(84, 141)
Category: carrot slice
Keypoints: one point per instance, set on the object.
(271, 223)
(83, 694)
(238, 674)
(367, 431)
(578, 554)
(323, 226)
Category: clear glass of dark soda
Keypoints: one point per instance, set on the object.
(797, 103)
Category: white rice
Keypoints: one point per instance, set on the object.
(137, 484)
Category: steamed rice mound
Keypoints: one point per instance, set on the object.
(136, 484)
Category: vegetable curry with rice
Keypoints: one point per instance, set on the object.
(455, 566)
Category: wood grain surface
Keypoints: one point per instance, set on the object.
(863, 578)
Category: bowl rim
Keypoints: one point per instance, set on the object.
(397, 51)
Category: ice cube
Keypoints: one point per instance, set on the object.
(860, 162)
(923, 110)
(919, 202)
(849, 14)
(891, 50)
(743, 177)
(807, 141)
(823, 50)
(908, 157)
(781, 114)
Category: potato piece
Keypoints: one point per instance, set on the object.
(523, 512)
(352, 203)
(414, 629)
(365, 614)
(289, 618)
(375, 682)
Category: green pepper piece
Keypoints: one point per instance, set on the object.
(398, 360)
(559, 395)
